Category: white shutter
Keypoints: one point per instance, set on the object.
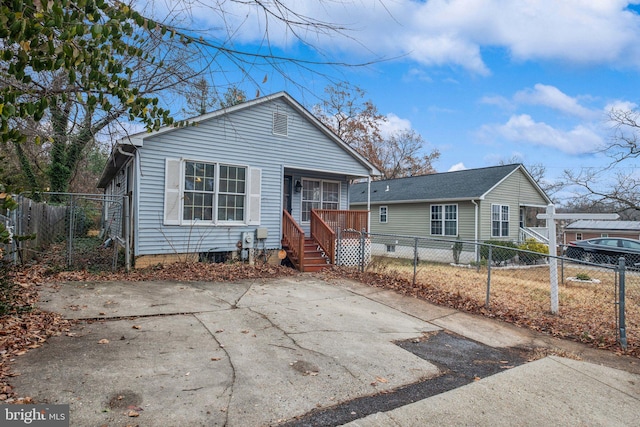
(255, 181)
(172, 178)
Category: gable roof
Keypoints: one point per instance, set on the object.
(593, 224)
(125, 146)
(468, 184)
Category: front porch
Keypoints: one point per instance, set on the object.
(318, 250)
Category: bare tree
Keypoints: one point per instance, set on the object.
(358, 122)
(400, 155)
(72, 70)
(200, 98)
(616, 185)
(233, 96)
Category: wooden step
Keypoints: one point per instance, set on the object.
(314, 260)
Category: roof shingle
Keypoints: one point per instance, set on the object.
(459, 185)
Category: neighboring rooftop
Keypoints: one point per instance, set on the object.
(468, 184)
(593, 224)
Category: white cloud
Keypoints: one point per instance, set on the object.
(457, 167)
(441, 32)
(394, 124)
(523, 129)
(619, 105)
(552, 97)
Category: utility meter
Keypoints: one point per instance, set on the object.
(247, 239)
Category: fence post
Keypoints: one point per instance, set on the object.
(127, 235)
(71, 230)
(339, 246)
(621, 301)
(362, 251)
(415, 258)
(486, 302)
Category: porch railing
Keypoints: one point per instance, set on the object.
(324, 225)
(324, 235)
(293, 237)
(344, 220)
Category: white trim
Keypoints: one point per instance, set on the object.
(302, 169)
(322, 181)
(386, 214)
(501, 220)
(444, 219)
(215, 221)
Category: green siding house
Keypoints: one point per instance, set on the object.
(471, 205)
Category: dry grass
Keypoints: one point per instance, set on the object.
(587, 310)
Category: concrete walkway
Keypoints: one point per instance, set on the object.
(268, 352)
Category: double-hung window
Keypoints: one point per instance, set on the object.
(232, 193)
(319, 195)
(202, 193)
(500, 220)
(444, 220)
(199, 191)
(384, 211)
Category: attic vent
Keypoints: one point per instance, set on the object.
(280, 123)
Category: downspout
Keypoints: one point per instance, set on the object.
(475, 229)
(368, 203)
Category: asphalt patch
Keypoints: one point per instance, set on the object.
(460, 360)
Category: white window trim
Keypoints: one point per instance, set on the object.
(322, 181)
(501, 220)
(252, 199)
(443, 220)
(386, 215)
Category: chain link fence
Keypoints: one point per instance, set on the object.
(513, 281)
(70, 231)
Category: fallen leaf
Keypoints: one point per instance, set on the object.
(103, 341)
(136, 326)
(133, 414)
(215, 359)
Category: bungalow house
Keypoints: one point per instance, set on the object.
(588, 229)
(471, 205)
(261, 175)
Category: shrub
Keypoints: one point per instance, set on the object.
(501, 251)
(457, 249)
(532, 245)
(583, 276)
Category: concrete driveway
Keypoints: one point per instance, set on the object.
(295, 350)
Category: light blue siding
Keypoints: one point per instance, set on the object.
(243, 137)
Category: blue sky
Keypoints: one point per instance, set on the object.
(483, 81)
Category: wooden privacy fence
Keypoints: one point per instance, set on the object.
(45, 224)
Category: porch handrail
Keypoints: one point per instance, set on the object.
(324, 235)
(293, 237)
(339, 219)
(532, 234)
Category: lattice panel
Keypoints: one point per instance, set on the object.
(349, 252)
